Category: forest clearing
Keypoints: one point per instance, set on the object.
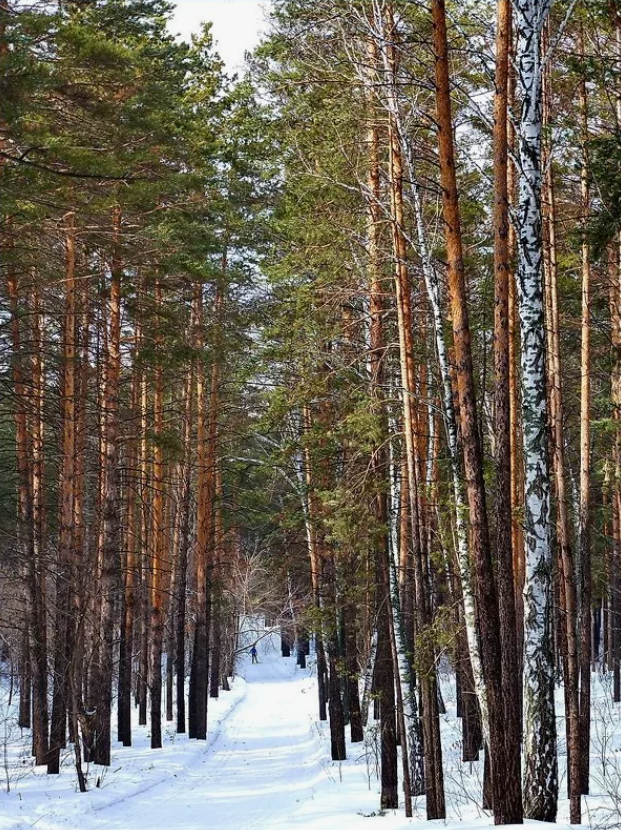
(327, 338)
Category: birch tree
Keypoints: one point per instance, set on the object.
(540, 786)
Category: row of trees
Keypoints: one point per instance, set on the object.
(132, 176)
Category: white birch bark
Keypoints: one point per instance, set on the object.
(540, 754)
(368, 679)
(406, 677)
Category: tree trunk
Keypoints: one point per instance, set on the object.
(385, 687)
(156, 620)
(352, 671)
(303, 475)
(28, 433)
(502, 425)
(506, 806)
(567, 588)
(130, 572)
(216, 588)
(206, 440)
(335, 701)
(540, 758)
(614, 600)
(65, 540)
(38, 588)
(110, 510)
(25, 524)
(184, 542)
(584, 528)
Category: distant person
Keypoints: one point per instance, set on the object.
(253, 652)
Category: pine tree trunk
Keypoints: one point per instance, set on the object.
(182, 577)
(584, 528)
(24, 500)
(156, 618)
(77, 715)
(614, 602)
(304, 474)
(383, 668)
(110, 510)
(38, 588)
(335, 701)
(65, 541)
(506, 806)
(95, 597)
(26, 528)
(206, 440)
(216, 583)
(145, 552)
(352, 669)
(128, 610)
(567, 586)
(169, 589)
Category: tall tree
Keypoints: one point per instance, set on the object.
(540, 757)
(505, 810)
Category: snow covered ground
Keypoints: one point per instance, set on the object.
(266, 766)
(38, 800)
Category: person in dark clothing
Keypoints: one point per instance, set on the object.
(253, 652)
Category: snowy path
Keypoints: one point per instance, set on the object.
(266, 766)
(263, 763)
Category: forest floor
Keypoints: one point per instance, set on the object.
(266, 766)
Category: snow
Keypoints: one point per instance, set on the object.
(266, 766)
(136, 772)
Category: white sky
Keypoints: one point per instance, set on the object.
(237, 24)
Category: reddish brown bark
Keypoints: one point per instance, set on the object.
(584, 526)
(506, 808)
